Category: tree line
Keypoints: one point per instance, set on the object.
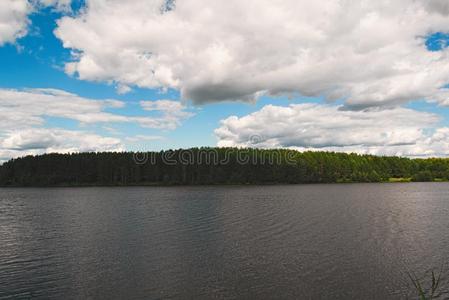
(215, 166)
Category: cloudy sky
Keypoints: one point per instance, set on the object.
(332, 75)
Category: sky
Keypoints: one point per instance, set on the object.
(109, 75)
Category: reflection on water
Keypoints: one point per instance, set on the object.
(351, 241)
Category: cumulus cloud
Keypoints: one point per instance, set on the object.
(24, 115)
(397, 131)
(369, 53)
(13, 20)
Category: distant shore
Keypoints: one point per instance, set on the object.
(216, 166)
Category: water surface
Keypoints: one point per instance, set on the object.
(346, 241)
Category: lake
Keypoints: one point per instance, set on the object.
(340, 241)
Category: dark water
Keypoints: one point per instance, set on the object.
(271, 242)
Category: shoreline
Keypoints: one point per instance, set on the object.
(390, 181)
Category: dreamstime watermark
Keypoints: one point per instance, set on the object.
(218, 156)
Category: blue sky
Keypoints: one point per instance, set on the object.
(184, 79)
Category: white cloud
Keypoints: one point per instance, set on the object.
(58, 140)
(370, 53)
(24, 108)
(24, 116)
(398, 131)
(14, 14)
(144, 138)
(13, 20)
(43, 140)
(59, 5)
(173, 112)
(123, 89)
(168, 106)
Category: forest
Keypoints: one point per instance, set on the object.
(198, 166)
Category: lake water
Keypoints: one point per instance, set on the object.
(346, 241)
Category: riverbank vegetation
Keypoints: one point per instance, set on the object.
(216, 166)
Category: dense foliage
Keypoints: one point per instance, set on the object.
(215, 166)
